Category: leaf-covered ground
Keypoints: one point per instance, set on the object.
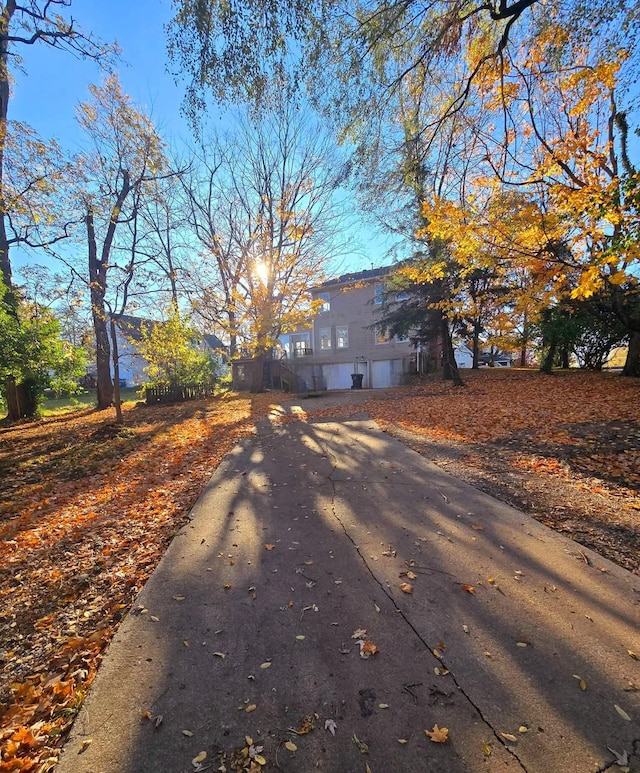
(87, 509)
(564, 448)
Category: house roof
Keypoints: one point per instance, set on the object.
(356, 276)
(213, 342)
(131, 327)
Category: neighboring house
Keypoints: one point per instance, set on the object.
(463, 355)
(131, 364)
(342, 341)
(499, 359)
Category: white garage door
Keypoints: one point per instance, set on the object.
(338, 376)
(386, 373)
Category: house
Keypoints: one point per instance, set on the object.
(342, 340)
(463, 355)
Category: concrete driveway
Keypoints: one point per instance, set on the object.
(252, 629)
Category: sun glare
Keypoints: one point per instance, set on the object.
(262, 271)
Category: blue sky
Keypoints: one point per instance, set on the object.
(54, 82)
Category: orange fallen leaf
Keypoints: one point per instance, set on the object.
(438, 734)
(406, 587)
(269, 546)
(367, 648)
(468, 588)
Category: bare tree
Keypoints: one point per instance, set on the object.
(261, 204)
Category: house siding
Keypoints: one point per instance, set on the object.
(351, 305)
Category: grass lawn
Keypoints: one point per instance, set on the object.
(58, 406)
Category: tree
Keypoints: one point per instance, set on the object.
(125, 158)
(261, 206)
(32, 353)
(171, 349)
(23, 25)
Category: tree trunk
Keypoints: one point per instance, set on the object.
(564, 357)
(116, 373)
(476, 346)
(21, 397)
(546, 365)
(97, 275)
(450, 366)
(632, 363)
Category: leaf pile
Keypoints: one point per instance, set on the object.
(86, 515)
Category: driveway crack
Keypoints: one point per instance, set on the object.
(385, 590)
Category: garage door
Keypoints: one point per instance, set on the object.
(386, 373)
(338, 376)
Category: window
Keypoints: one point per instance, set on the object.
(342, 337)
(325, 338)
(402, 339)
(379, 296)
(325, 304)
(381, 338)
(403, 295)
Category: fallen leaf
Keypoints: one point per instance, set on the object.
(632, 654)
(300, 637)
(227, 585)
(185, 642)
(438, 734)
(376, 607)
(290, 746)
(412, 576)
(158, 721)
(269, 546)
(486, 749)
(406, 587)
(362, 747)
(330, 725)
(402, 740)
(622, 758)
(85, 745)
(440, 671)
(267, 664)
(251, 707)
(219, 655)
(199, 758)
(523, 729)
(188, 733)
(622, 712)
(306, 726)
(522, 644)
(383, 705)
(509, 737)
(178, 598)
(468, 588)
(465, 628)
(359, 633)
(259, 759)
(477, 526)
(147, 715)
(367, 648)
(154, 619)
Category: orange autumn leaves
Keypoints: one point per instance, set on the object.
(89, 511)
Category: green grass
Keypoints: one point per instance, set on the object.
(57, 406)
